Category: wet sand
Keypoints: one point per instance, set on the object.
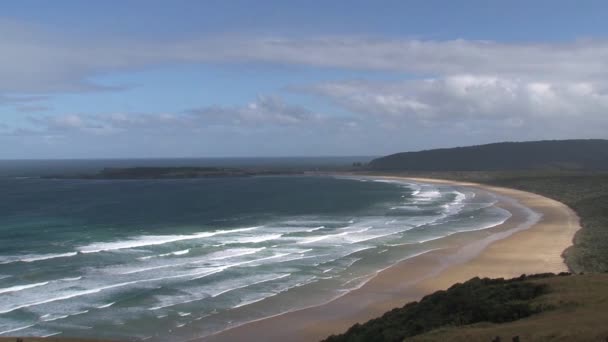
(518, 246)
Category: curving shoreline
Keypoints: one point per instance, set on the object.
(516, 247)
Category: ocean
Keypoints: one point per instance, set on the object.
(170, 260)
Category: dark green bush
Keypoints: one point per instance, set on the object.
(477, 300)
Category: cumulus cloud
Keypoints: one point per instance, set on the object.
(471, 99)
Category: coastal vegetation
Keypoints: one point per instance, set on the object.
(574, 309)
(541, 307)
(477, 300)
(591, 154)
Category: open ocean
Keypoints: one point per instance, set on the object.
(169, 260)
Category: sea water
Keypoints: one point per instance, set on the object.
(174, 259)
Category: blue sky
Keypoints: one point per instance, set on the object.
(282, 78)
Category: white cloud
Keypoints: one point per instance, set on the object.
(263, 113)
(265, 110)
(469, 97)
(34, 60)
(68, 122)
(21, 100)
(453, 89)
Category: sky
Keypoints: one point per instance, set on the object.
(146, 79)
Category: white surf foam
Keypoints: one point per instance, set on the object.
(254, 239)
(250, 302)
(182, 252)
(456, 205)
(278, 255)
(70, 279)
(106, 305)
(217, 256)
(163, 306)
(51, 334)
(206, 274)
(22, 287)
(234, 252)
(251, 284)
(16, 329)
(75, 294)
(372, 237)
(225, 267)
(482, 227)
(406, 207)
(314, 239)
(36, 257)
(145, 269)
(51, 318)
(152, 240)
(427, 195)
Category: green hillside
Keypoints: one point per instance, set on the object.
(533, 308)
(534, 155)
(477, 300)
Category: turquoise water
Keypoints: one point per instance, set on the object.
(174, 259)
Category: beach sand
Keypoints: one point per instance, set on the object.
(507, 251)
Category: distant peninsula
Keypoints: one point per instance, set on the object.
(174, 173)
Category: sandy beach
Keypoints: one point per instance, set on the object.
(518, 246)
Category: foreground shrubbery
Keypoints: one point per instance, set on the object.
(477, 300)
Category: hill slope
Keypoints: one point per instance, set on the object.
(535, 308)
(574, 309)
(589, 154)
